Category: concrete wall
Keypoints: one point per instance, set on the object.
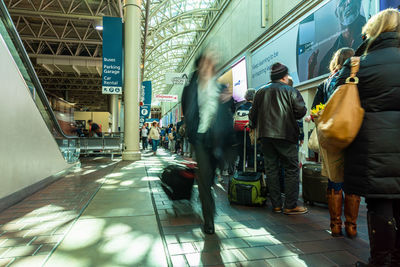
(28, 151)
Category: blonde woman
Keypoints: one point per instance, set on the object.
(154, 135)
(372, 161)
(335, 186)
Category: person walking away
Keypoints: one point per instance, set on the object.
(154, 135)
(371, 162)
(144, 134)
(241, 120)
(275, 110)
(201, 101)
(335, 185)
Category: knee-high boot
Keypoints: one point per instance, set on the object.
(335, 199)
(351, 206)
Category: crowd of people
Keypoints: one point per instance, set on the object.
(172, 138)
(370, 162)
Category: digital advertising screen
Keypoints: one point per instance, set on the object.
(239, 79)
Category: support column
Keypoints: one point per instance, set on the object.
(114, 113)
(132, 36)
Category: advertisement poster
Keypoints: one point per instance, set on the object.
(281, 49)
(239, 77)
(307, 48)
(390, 4)
(112, 56)
(335, 25)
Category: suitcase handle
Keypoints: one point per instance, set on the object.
(244, 149)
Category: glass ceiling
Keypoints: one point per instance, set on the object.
(173, 26)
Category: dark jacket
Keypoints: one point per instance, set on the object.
(372, 161)
(275, 110)
(220, 135)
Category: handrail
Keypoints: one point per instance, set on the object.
(31, 70)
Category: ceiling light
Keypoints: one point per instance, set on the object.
(99, 27)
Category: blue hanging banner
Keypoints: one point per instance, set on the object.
(146, 93)
(112, 56)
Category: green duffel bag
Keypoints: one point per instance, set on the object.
(247, 188)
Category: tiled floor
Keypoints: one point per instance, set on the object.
(114, 213)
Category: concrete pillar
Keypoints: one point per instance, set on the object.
(114, 113)
(132, 16)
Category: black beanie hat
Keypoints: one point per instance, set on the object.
(278, 71)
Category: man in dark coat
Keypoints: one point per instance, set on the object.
(275, 111)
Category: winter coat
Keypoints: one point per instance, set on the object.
(372, 161)
(275, 110)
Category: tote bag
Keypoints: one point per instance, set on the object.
(342, 116)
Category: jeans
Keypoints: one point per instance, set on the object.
(155, 145)
(285, 151)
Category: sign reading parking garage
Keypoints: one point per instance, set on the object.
(112, 56)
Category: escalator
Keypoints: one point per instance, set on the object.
(68, 145)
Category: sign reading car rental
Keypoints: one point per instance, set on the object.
(112, 56)
(166, 98)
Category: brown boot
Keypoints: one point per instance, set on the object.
(335, 199)
(351, 206)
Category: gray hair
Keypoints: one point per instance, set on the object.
(250, 93)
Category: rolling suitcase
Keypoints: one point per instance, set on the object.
(247, 187)
(177, 181)
(314, 184)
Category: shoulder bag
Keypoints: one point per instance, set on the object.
(341, 119)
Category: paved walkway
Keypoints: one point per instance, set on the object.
(114, 213)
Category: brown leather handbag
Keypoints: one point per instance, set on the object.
(343, 115)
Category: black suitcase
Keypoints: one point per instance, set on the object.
(314, 184)
(177, 181)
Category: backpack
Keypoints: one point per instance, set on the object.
(240, 119)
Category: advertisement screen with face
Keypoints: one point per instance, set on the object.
(390, 4)
(335, 25)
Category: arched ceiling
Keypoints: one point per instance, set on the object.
(174, 30)
(66, 49)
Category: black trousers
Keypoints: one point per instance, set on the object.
(144, 142)
(276, 150)
(384, 225)
(206, 175)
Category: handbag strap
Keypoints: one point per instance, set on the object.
(355, 67)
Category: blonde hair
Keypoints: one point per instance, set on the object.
(387, 20)
(339, 58)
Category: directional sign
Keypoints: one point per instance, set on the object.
(145, 111)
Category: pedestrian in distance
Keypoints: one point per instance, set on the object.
(154, 135)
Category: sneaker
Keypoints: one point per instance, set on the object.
(277, 210)
(295, 211)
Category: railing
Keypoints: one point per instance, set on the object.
(107, 144)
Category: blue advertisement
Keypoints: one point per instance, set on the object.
(145, 111)
(390, 4)
(112, 56)
(146, 92)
